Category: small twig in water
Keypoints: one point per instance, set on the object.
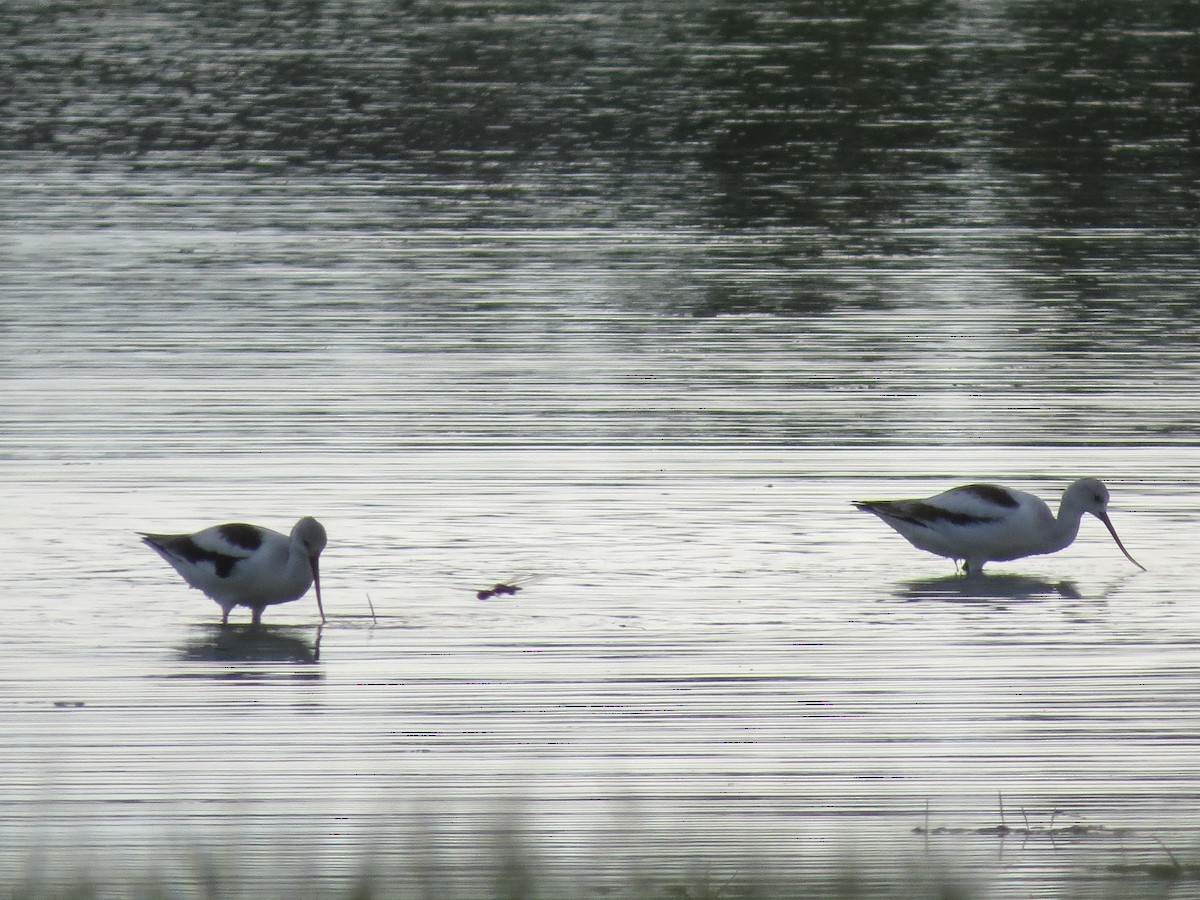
(1167, 850)
(724, 884)
(1000, 797)
(374, 618)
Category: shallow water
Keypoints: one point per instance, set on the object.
(721, 659)
(658, 402)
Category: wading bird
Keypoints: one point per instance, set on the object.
(981, 523)
(245, 565)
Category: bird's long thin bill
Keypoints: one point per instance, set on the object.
(316, 567)
(1113, 532)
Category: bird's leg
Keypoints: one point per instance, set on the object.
(972, 570)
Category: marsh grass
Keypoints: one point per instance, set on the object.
(515, 884)
(513, 879)
(506, 865)
(506, 869)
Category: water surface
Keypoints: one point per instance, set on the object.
(645, 344)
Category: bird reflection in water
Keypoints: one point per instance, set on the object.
(987, 588)
(251, 643)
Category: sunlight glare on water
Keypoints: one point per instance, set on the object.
(643, 383)
(718, 638)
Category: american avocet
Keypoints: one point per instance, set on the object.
(245, 565)
(979, 523)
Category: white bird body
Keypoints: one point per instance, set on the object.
(980, 523)
(247, 565)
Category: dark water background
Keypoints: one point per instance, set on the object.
(636, 297)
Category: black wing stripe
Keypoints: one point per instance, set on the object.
(991, 493)
(245, 536)
(183, 547)
(923, 515)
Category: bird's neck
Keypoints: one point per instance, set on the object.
(1067, 524)
(298, 558)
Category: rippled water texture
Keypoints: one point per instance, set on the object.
(633, 299)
